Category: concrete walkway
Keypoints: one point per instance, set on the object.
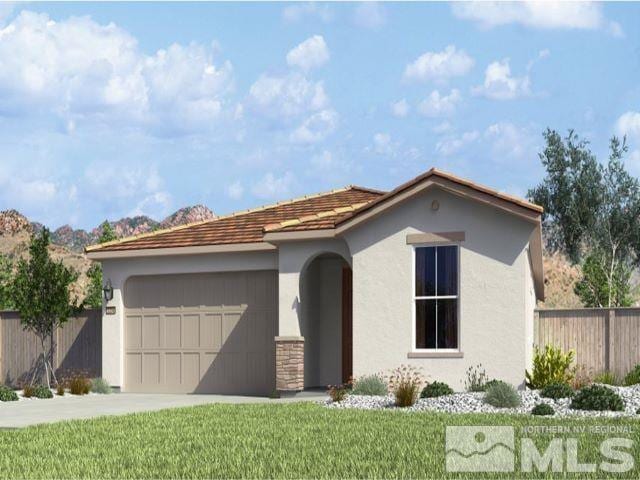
(24, 413)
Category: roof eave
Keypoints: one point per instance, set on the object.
(194, 250)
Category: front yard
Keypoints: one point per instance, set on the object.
(267, 441)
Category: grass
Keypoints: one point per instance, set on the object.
(262, 441)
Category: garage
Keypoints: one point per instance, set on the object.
(201, 333)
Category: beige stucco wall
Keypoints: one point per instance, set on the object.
(492, 314)
(530, 305)
(119, 270)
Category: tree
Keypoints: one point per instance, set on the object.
(6, 271)
(107, 234)
(94, 290)
(591, 213)
(41, 292)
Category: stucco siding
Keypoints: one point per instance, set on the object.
(492, 323)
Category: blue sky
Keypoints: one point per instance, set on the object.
(114, 109)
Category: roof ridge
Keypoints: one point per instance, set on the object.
(97, 246)
(314, 216)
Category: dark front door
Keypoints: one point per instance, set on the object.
(347, 324)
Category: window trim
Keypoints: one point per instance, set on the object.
(446, 351)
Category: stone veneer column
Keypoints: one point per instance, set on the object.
(289, 364)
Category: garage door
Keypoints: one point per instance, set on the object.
(202, 333)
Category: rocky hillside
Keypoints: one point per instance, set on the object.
(560, 276)
(68, 244)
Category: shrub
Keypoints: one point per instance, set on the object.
(582, 376)
(502, 395)
(476, 379)
(637, 411)
(550, 365)
(370, 385)
(556, 391)
(60, 389)
(28, 391)
(606, 378)
(42, 391)
(436, 389)
(79, 385)
(597, 397)
(633, 377)
(542, 409)
(405, 383)
(337, 392)
(100, 385)
(491, 383)
(7, 394)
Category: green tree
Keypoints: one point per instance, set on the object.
(591, 214)
(93, 298)
(42, 295)
(107, 234)
(6, 272)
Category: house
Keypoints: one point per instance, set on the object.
(441, 273)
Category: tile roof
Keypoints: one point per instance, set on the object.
(248, 226)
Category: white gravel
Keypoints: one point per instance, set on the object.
(22, 398)
(472, 402)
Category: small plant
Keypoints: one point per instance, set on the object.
(370, 385)
(79, 385)
(637, 411)
(7, 394)
(338, 392)
(42, 391)
(28, 391)
(60, 390)
(491, 383)
(405, 382)
(436, 389)
(597, 397)
(606, 378)
(556, 391)
(582, 376)
(542, 409)
(550, 365)
(476, 379)
(633, 377)
(100, 385)
(502, 395)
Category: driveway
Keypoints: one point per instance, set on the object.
(24, 413)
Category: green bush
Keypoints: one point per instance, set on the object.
(502, 395)
(633, 377)
(491, 383)
(436, 389)
(542, 409)
(476, 379)
(100, 385)
(550, 365)
(556, 391)
(7, 394)
(42, 391)
(606, 378)
(370, 385)
(597, 397)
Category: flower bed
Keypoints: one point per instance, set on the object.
(473, 402)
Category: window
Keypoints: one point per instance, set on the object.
(436, 297)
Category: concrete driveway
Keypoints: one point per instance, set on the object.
(24, 413)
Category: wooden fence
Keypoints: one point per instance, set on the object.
(603, 339)
(79, 347)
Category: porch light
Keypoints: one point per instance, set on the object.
(108, 291)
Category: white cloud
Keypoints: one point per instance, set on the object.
(315, 128)
(400, 108)
(289, 95)
(442, 127)
(454, 143)
(439, 66)
(323, 161)
(370, 15)
(156, 205)
(123, 181)
(436, 105)
(629, 124)
(299, 11)
(272, 187)
(382, 144)
(79, 70)
(311, 53)
(509, 142)
(499, 84)
(235, 190)
(538, 14)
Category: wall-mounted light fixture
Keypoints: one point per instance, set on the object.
(108, 291)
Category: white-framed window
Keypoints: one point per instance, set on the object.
(435, 297)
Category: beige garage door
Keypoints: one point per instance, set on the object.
(202, 333)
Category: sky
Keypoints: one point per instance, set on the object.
(118, 109)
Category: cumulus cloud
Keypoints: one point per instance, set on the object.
(311, 53)
(155, 205)
(437, 105)
(629, 124)
(510, 142)
(537, 14)
(382, 144)
(287, 95)
(439, 66)
(452, 144)
(400, 108)
(79, 70)
(235, 190)
(272, 187)
(299, 11)
(500, 84)
(370, 15)
(316, 127)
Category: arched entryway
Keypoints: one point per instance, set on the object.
(326, 320)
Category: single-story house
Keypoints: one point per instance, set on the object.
(440, 273)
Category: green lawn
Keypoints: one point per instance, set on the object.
(263, 441)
